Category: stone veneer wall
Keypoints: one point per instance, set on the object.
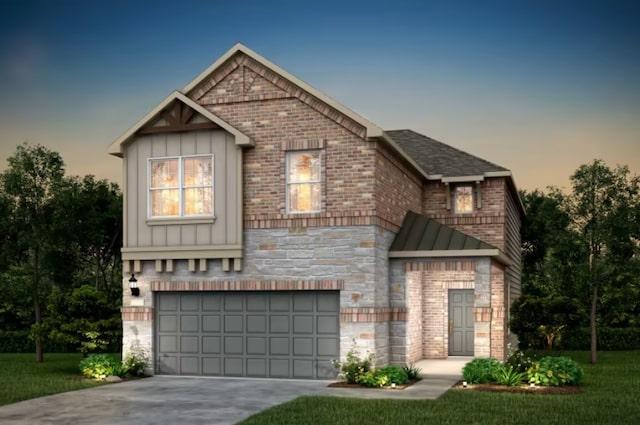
(354, 255)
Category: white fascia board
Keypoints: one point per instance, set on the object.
(452, 253)
(461, 179)
(116, 148)
(506, 173)
(372, 129)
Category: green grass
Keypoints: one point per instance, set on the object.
(611, 395)
(21, 378)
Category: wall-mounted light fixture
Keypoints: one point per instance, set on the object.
(133, 285)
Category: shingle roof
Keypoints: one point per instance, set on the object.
(437, 158)
(420, 233)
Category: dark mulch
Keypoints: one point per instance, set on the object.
(522, 389)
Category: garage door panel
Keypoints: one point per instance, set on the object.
(279, 302)
(279, 346)
(279, 368)
(189, 365)
(303, 302)
(257, 367)
(303, 369)
(211, 345)
(279, 324)
(168, 365)
(257, 302)
(211, 366)
(302, 346)
(233, 345)
(233, 366)
(211, 302)
(324, 370)
(189, 323)
(327, 302)
(168, 302)
(302, 324)
(233, 302)
(327, 325)
(256, 324)
(211, 323)
(168, 343)
(327, 346)
(278, 334)
(168, 323)
(233, 323)
(189, 344)
(257, 345)
(189, 302)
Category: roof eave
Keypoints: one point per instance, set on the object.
(372, 130)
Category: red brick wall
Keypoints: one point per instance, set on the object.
(398, 188)
(275, 113)
(486, 223)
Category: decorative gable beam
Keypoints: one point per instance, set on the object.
(177, 118)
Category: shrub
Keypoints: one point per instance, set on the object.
(383, 377)
(555, 371)
(609, 339)
(354, 366)
(413, 372)
(99, 366)
(135, 363)
(481, 371)
(520, 360)
(509, 376)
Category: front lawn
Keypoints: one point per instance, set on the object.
(21, 378)
(611, 395)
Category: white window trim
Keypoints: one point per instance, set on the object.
(180, 187)
(288, 183)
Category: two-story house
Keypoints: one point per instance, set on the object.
(268, 229)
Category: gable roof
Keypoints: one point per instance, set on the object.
(117, 147)
(421, 236)
(443, 162)
(372, 130)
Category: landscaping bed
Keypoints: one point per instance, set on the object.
(343, 384)
(521, 389)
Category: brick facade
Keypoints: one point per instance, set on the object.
(396, 309)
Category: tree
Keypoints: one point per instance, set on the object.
(602, 209)
(31, 180)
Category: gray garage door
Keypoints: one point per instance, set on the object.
(261, 334)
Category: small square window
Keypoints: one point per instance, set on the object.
(303, 182)
(463, 199)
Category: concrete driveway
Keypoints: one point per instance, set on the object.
(167, 400)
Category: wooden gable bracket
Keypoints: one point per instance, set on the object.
(177, 117)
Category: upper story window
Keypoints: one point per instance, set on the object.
(303, 181)
(463, 199)
(181, 186)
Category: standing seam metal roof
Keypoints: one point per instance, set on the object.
(420, 233)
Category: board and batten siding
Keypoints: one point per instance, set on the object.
(225, 230)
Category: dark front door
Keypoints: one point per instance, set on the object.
(461, 322)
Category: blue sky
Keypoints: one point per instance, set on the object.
(539, 87)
